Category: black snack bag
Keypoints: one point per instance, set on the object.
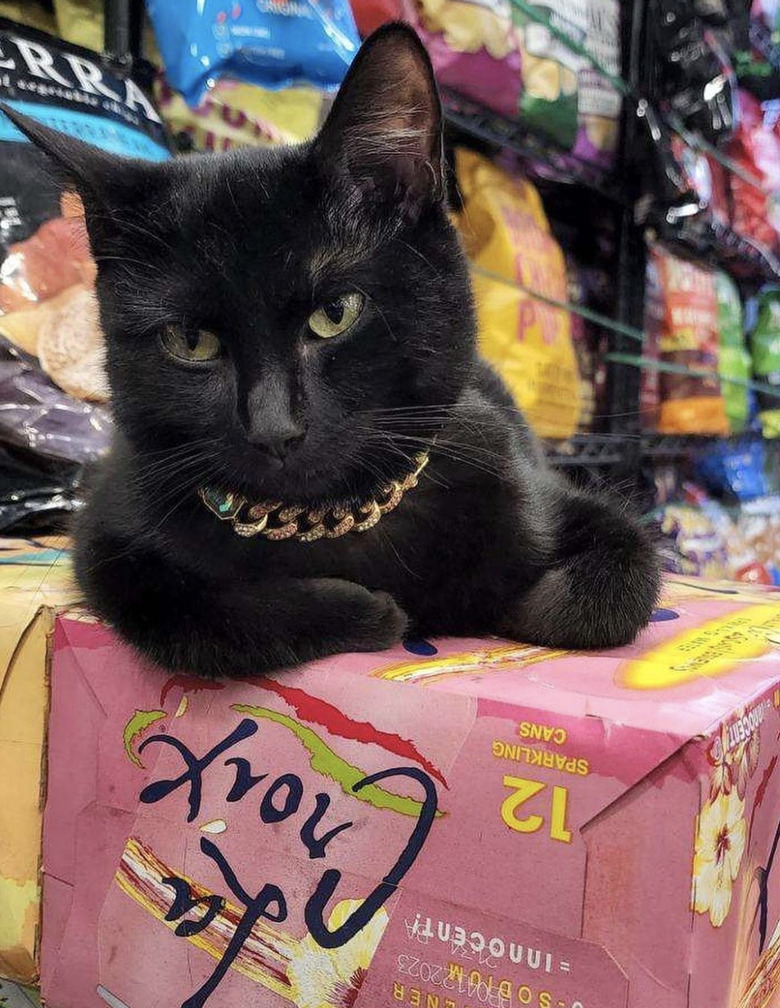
(52, 379)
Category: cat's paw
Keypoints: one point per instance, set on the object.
(376, 621)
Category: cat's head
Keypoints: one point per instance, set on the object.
(282, 319)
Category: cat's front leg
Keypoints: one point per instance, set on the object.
(185, 621)
(600, 586)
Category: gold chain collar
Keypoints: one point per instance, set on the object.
(276, 520)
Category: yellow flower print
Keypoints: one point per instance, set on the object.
(723, 770)
(332, 978)
(720, 844)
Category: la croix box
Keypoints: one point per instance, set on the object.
(454, 824)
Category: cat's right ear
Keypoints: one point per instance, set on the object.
(384, 133)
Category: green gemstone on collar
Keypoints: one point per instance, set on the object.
(224, 505)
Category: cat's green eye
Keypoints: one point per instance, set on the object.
(336, 316)
(194, 345)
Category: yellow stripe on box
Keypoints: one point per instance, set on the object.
(711, 649)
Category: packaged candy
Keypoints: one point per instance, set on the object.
(733, 358)
(506, 234)
(759, 526)
(681, 322)
(765, 352)
(692, 544)
(48, 313)
(265, 43)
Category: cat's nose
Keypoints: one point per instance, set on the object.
(278, 439)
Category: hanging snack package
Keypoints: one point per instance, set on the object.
(48, 313)
(683, 396)
(765, 351)
(473, 47)
(756, 151)
(233, 114)
(551, 68)
(528, 340)
(272, 45)
(733, 358)
(599, 101)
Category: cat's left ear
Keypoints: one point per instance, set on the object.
(384, 132)
(111, 187)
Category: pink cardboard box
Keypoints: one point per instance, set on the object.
(455, 824)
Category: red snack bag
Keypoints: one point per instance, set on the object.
(682, 324)
(756, 150)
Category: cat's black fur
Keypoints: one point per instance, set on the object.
(247, 245)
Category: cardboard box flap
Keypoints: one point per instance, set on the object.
(33, 576)
(710, 648)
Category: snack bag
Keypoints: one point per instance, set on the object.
(599, 103)
(549, 100)
(765, 351)
(682, 327)
(756, 149)
(506, 233)
(473, 46)
(48, 313)
(265, 43)
(241, 115)
(733, 357)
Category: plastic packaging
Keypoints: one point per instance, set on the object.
(754, 193)
(506, 234)
(52, 380)
(733, 357)
(241, 115)
(697, 78)
(682, 326)
(474, 48)
(736, 472)
(265, 43)
(765, 352)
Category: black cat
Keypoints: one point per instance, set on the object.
(290, 337)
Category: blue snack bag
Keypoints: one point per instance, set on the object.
(271, 43)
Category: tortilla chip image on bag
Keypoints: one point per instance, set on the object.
(528, 341)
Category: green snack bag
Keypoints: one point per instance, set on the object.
(733, 359)
(550, 69)
(765, 350)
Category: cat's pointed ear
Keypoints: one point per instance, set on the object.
(75, 164)
(384, 132)
(102, 179)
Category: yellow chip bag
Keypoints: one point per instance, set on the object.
(506, 234)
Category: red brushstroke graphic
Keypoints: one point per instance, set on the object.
(190, 684)
(317, 711)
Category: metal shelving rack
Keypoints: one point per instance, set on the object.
(618, 453)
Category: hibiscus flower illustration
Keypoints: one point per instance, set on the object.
(723, 769)
(720, 844)
(332, 978)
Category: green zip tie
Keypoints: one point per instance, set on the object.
(587, 313)
(544, 18)
(666, 366)
(700, 144)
